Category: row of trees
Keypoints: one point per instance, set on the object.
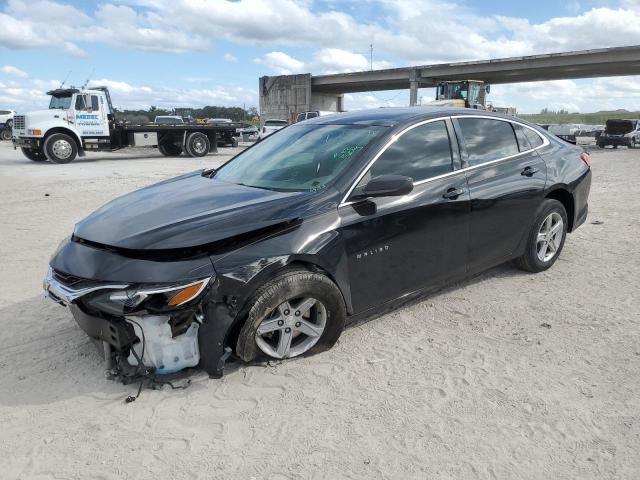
(236, 114)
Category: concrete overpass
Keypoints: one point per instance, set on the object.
(295, 93)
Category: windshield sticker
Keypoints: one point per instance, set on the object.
(346, 152)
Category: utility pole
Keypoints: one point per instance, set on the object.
(371, 55)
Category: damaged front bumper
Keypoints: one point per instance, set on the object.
(162, 341)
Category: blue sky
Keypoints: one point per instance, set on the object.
(197, 52)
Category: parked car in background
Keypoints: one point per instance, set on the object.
(272, 253)
(312, 114)
(270, 126)
(618, 133)
(6, 117)
(168, 120)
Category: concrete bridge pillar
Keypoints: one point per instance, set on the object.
(414, 84)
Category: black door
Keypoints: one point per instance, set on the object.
(397, 245)
(506, 179)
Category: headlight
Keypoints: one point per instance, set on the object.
(154, 298)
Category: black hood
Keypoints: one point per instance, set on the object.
(188, 211)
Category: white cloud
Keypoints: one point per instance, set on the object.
(15, 71)
(30, 94)
(230, 58)
(324, 61)
(412, 32)
(281, 63)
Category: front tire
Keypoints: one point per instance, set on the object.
(5, 134)
(546, 238)
(34, 155)
(60, 148)
(197, 144)
(297, 313)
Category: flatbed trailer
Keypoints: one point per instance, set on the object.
(84, 120)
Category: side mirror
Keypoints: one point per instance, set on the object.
(386, 186)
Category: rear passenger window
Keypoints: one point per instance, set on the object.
(523, 142)
(534, 139)
(422, 152)
(487, 139)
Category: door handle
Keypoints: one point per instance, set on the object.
(529, 171)
(453, 193)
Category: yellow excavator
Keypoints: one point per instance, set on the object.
(467, 94)
(462, 93)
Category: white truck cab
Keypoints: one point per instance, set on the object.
(82, 116)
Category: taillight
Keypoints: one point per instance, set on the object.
(584, 156)
(264, 129)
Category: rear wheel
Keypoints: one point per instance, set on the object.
(5, 134)
(60, 148)
(34, 155)
(546, 237)
(297, 313)
(197, 144)
(10, 123)
(169, 149)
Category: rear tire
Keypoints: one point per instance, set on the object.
(9, 123)
(290, 286)
(5, 134)
(543, 246)
(60, 148)
(34, 155)
(170, 149)
(197, 144)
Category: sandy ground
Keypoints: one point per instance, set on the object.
(466, 383)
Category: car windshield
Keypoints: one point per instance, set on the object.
(275, 123)
(60, 102)
(299, 158)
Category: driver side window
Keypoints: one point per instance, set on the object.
(421, 153)
(80, 105)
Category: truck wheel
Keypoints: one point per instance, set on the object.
(234, 142)
(34, 155)
(60, 148)
(5, 134)
(170, 149)
(197, 144)
(9, 123)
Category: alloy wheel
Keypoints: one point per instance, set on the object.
(62, 149)
(198, 146)
(549, 237)
(293, 328)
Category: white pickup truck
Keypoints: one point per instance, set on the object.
(83, 119)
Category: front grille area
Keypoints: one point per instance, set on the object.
(73, 281)
(18, 122)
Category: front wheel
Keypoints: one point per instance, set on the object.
(10, 123)
(5, 134)
(60, 148)
(297, 313)
(34, 155)
(546, 237)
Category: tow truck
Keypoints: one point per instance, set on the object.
(81, 120)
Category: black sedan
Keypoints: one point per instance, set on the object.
(335, 217)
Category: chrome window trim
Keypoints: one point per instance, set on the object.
(545, 142)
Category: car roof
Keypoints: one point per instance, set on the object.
(393, 116)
